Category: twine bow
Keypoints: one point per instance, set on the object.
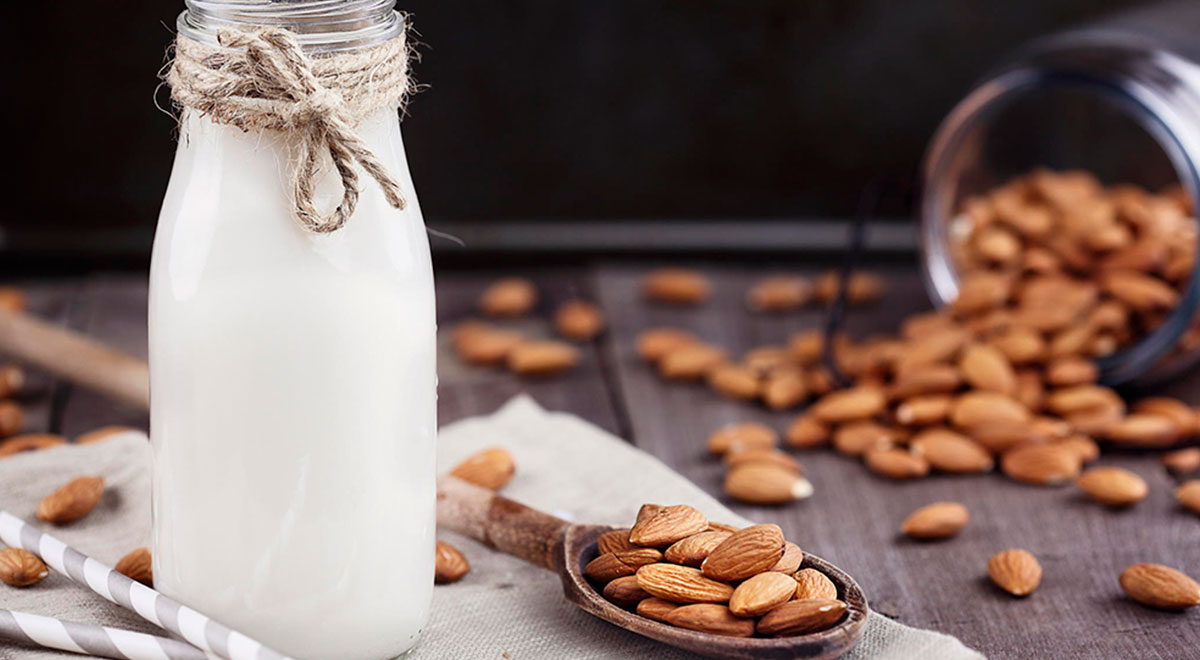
(264, 80)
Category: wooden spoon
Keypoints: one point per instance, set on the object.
(564, 548)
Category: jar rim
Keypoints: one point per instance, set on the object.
(1143, 103)
(320, 25)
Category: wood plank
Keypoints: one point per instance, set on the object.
(852, 520)
(465, 390)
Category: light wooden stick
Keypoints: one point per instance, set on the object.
(75, 357)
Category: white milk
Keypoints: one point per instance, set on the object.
(292, 401)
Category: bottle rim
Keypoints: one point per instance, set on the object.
(1144, 103)
(320, 25)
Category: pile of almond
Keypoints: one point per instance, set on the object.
(676, 567)
(1056, 270)
(479, 343)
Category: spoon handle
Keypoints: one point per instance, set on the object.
(500, 523)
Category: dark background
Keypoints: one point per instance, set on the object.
(538, 111)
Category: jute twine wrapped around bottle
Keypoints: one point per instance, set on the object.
(263, 80)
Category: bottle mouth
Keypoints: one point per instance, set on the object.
(321, 25)
(944, 175)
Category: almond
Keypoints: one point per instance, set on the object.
(18, 444)
(848, 405)
(924, 410)
(763, 483)
(655, 608)
(1139, 291)
(939, 520)
(784, 389)
(1162, 587)
(71, 502)
(625, 592)
(926, 379)
(450, 564)
(746, 552)
(734, 381)
(855, 438)
(807, 432)
(1173, 409)
(950, 452)
(1082, 446)
(779, 293)
(102, 433)
(1188, 495)
(1030, 391)
(710, 618)
(476, 343)
(489, 468)
(722, 527)
(792, 557)
(514, 296)
(767, 359)
(21, 568)
(761, 593)
(896, 463)
(681, 584)
(1081, 398)
(12, 418)
(137, 567)
(999, 437)
(647, 510)
(981, 291)
(1182, 461)
(772, 456)
(984, 367)
(614, 541)
(12, 379)
(654, 343)
(807, 347)
(811, 583)
(608, 567)
(676, 285)
(1015, 571)
(693, 550)
(1071, 370)
(741, 437)
(819, 380)
(862, 287)
(980, 407)
(538, 358)
(1113, 486)
(938, 346)
(1043, 465)
(801, 617)
(579, 320)
(1144, 430)
(1021, 345)
(690, 361)
(668, 525)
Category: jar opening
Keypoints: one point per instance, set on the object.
(321, 25)
(1116, 128)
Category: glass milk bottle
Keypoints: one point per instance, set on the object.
(293, 389)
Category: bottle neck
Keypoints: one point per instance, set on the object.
(321, 25)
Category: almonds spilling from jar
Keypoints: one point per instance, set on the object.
(676, 567)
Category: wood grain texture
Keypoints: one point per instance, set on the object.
(853, 518)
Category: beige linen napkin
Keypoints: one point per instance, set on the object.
(503, 608)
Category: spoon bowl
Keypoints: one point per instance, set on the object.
(579, 548)
(565, 549)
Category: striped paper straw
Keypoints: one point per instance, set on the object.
(99, 641)
(199, 630)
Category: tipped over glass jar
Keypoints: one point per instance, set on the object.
(1064, 184)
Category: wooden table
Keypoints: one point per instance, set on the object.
(1079, 611)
